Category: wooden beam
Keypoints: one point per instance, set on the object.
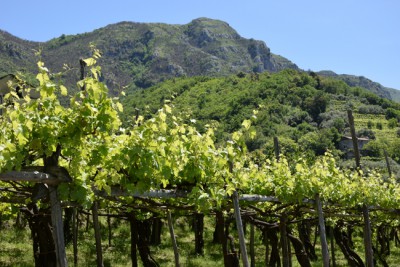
(38, 174)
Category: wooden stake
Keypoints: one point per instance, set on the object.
(57, 223)
(354, 138)
(239, 226)
(322, 232)
(333, 248)
(387, 163)
(276, 148)
(284, 241)
(75, 235)
(97, 235)
(173, 238)
(252, 252)
(369, 254)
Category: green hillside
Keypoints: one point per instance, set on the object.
(307, 111)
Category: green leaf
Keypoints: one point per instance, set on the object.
(246, 124)
(63, 90)
(89, 61)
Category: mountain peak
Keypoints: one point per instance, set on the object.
(146, 53)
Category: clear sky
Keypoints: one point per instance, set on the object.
(359, 37)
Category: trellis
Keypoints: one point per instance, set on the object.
(52, 176)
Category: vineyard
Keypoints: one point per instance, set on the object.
(61, 164)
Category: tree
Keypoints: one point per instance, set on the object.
(392, 123)
(392, 113)
(374, 148)
(316, 104)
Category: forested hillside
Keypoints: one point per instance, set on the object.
(307, 111)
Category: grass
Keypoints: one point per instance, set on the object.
(16, 247)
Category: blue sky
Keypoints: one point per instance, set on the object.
(360, 37)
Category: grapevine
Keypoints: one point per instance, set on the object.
(165, 152)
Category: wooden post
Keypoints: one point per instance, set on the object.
(109, 228)
(284, 241)
(97, 234)
(333, 248)
(252, 252)
(354, 138)
(387, 163)
(239, 226)
(276, 148)
(57, 223)
(75, 235)
(82, 64)
(369, 254)
(173, 238)
(322, 232)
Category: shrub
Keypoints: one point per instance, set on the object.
(370, 109)
(366, 133)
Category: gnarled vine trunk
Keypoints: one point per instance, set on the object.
(231, 258)
(43, 244)
(144, 231)
(198, 233)
(343, 241)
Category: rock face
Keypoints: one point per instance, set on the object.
(143, 54)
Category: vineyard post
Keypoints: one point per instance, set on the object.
(109, 228)
(322, 232)
(284, 241)
(333, 247)
(283, 220)
(82, 64)
(97, 234)
(239, 226)
(252, 256)
(369, 254)
(276, 148)
(387, 163)
(354, 139)
(173, 238)
(57, 223)
(75, 235)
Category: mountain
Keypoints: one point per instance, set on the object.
(144, 54)
(366, 83)
(139, 55)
